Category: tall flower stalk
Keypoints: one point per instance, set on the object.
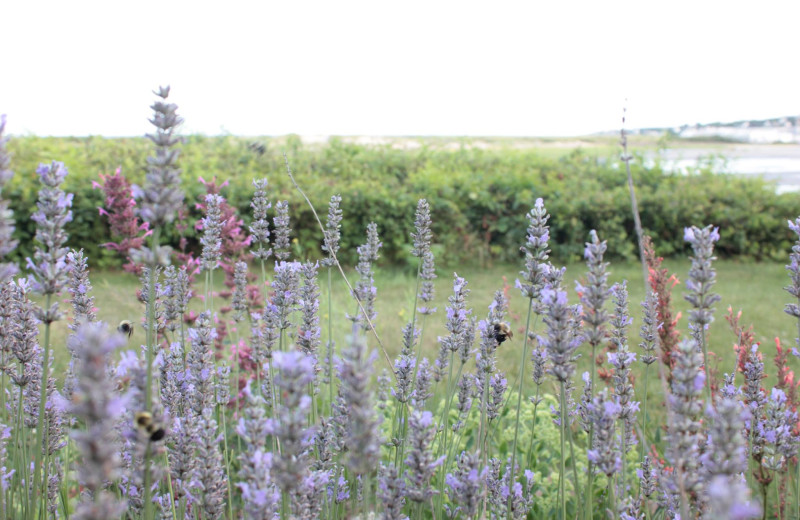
(536, 255)
(593, 297)
(701, 279)
(793, 309)
(50, 274)
(96, 403)
(649, 334)
(161, 199)
(561, 345)
(330, 246)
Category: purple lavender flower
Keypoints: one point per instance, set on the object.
(728, 499)
(725, 453)
(49, 266)
(365, 290)
(286, 285)
(294, 372)
(79, 288)
(457, 325)
(622, 360)
(464, 400)
(422, 391)
(701, 276)
(308, 337)
(5, 472)
(212, 229)
(560, 341)
(648, 478)
(7, 226)
(98, 406)
(176, 294)
(774, 432)
(603, 413)
(596, 293)
(239, 297)
(497, 390)
(649, 329)
(754, 396)
(404, 375)
(361, 433)
(332, 232)
(519, 500)
(391, 493)
(422, 230)
(210, 480)
(282, 230)
(259, 230)
(486, 356)
(420, 461)
(536, 253)
(200, 363)
(162, 196)
(465, 486)
(427, 275)
(585, 402)
(260, 495)
(684, 432)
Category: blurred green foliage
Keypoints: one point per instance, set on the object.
(479, 197)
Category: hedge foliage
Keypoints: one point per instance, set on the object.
(479, 197)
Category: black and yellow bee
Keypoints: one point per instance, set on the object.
(501, 332)
(125, 327)
(144, 420)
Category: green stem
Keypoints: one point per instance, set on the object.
(705, 364)
(513, 473)
(644, 423)
(562, 478)
(588, 499)
(227, 462)
(42, 426)
(330, 341)
(149, 356)
(533, 427)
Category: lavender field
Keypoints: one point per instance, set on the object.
(236, 395)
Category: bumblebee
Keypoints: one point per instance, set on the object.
(144, 420)
(125, 327)
(501, 331)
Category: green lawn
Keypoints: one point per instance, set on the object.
(754, 288)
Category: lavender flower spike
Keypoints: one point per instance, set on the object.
(259, 230)
(162, 196)
(560, 342)
(295, 371)
(332, 231)
(362, 433)
(603, 413)
(7, 226)
(282, 230)
(212, 227)
(49, 266)
(96, 403)
(420, 462)
(422, 230)
(536, 253)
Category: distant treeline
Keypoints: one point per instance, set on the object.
(479, 198)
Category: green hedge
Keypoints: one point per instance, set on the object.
(479, 198)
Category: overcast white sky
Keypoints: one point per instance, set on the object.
(395, 67)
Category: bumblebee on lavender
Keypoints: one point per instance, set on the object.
(144, 420)
(501, 331)
(125, 327)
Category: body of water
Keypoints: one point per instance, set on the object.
(775, 163)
